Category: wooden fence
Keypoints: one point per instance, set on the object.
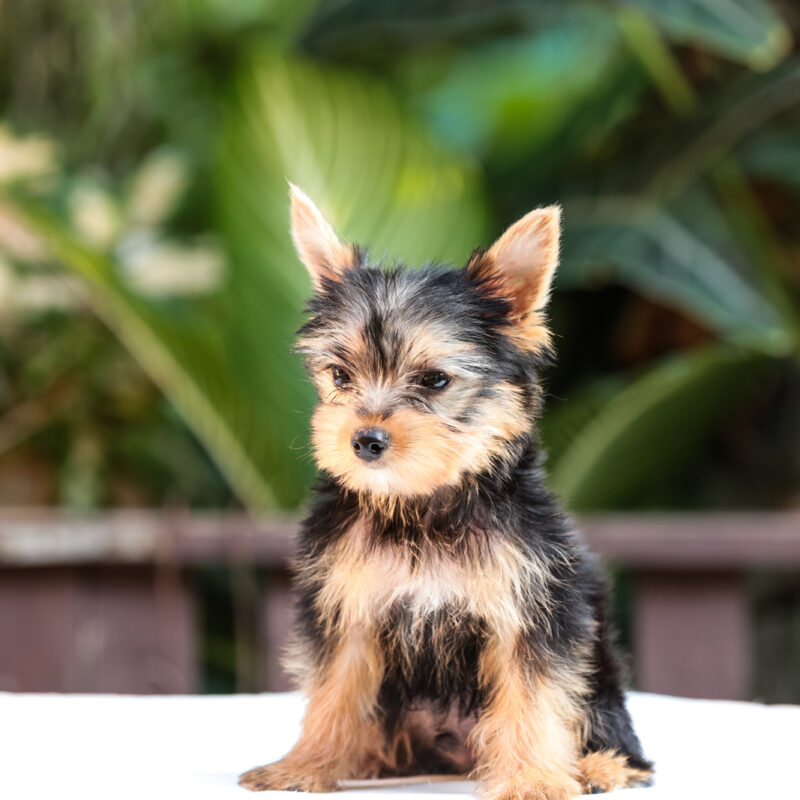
(106, 602)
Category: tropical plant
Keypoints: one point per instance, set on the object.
(664, 129)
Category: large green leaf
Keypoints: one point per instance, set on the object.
(749, 31)
(610, 445)
(347, 142)
(375, 175)
(511, 96)
(662, 257)
(226, 361)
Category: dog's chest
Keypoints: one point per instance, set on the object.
(365, 584)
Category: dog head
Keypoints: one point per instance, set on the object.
(424, 376)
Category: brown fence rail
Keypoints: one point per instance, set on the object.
(104, 603)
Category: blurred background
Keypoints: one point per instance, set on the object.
(153, 421)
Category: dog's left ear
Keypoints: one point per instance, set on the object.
(522, 262)
(316, 242)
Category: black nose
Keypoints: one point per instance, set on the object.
(370, 444)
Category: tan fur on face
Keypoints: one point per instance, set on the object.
(340, 733)
(427, 451)
(529, 736)
(608, 771)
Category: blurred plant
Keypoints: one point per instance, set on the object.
(667, 130)
(227, 365)
(81, 425)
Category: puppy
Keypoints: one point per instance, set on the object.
(450, 619)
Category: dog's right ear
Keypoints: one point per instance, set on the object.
(316, 242)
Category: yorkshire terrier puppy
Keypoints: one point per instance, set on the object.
(450, 620)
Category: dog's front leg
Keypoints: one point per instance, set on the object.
(526, 740)
(339, 728)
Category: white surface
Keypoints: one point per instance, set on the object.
(192, 748)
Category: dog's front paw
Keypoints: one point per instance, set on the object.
(532, 784)
(285, 776)
(606, 771)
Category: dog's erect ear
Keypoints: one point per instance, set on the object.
(523, 260)
(316, 242)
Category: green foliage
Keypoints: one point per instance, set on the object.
(746, 30)
(611, 444)
(227, 363)
(508, 98)
(669, 260)
(379, 179)
(664, 128)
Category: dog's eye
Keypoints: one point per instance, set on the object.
(433, 380)
(340, 377)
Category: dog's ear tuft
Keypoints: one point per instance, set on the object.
(522, 262)
(316, 242)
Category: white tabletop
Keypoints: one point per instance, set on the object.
(192, 748)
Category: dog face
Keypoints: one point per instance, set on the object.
(423, 376)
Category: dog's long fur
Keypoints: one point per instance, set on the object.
(449, 618)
